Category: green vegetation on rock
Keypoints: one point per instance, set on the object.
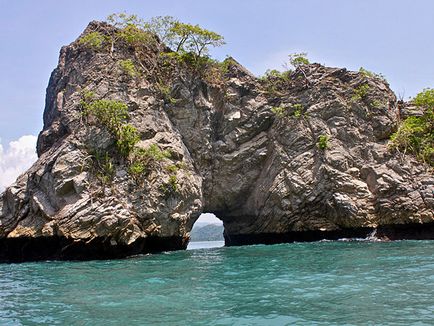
(369, 74)
(415, 135)
(323, 142)
(188, 60)
(94, 40)
(112, 115)
(127, 138)
(360, 93)
(298, 59)
(275, 82)
(109, 113)
(295, 110)
(145, 159)
(170, 187)
(129, 68)
(425, 99)
(102, 166)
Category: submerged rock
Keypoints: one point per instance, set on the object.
(306, 161)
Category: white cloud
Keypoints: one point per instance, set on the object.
(16, 158)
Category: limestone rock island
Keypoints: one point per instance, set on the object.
(139, 140)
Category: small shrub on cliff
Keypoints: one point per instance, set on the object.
(425, 99)
(173, 183)
(112, 115)
(103, 166)
(137, 169)
(134, 35)
(127, 138)
(275, 81)
(279, 111)
(415, 135)
(369, 74)
(129, 68)
(295, 110)
(298, 110)
(154, 152)
(109, 113)
(273, 74)
(298, 59)
(166, 92)
(145, 159)
(360, 93)
(323, 142)
(94, 40)
(170, 187)
(173, 168)
(123, 19)
(376, 104)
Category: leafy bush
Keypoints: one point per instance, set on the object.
(145, 159)
(171, 186)
(323, 142)
(376, 104)
(127, 138)
(173, 183)
(154, 152)
(129, 68)
(276, 81)
(134, 35)
(93, 40)
(122, 20)
(298, 59)
(103, 166)
(360, 93)
(276, 74)
(150, 155)
(173, 168)
(296, 109)
(109, 113)
(425, 99)
(112, 115)
(279, 111)
(137, 169)
(369, 74)
(416, 134)
(166, 92)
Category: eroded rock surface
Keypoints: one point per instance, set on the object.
(263, 174)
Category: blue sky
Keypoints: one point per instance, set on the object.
(391, 37)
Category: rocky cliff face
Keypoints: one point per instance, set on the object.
(304, 161)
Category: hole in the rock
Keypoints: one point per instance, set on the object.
(207, 232)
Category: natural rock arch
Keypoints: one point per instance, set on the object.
(261, 172)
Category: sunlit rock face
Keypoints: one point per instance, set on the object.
(319, 169)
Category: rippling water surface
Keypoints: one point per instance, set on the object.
(323, 283)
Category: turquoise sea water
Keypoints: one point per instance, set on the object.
(323, 283)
